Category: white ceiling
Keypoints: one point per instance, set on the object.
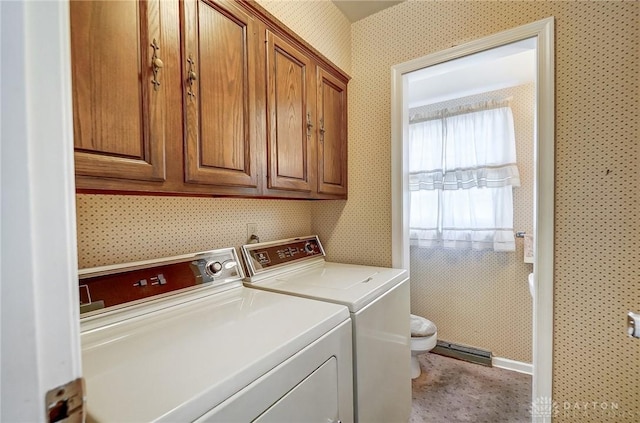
(355, 10)
(494, 69)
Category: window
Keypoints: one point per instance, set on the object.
(462, 166)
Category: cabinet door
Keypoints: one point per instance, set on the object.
(290, 134)
(118, 99)
(219, 94)
(332, 134)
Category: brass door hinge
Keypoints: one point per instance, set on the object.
(66, 403)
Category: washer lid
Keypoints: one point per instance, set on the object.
(177, 363)
(351, 285)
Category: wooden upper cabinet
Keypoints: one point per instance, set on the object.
(118, 92)
(219, 55)
(290, 117)
(203, 97)
(332, 134)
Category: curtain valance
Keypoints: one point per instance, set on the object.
(471, 146)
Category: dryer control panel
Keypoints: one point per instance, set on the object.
(275, 254)
(109, 286)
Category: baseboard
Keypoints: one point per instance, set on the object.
(463, 352)
(516, 366)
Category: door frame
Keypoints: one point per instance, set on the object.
(543, 31)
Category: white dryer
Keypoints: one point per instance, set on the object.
(209, 349)
(378, 302)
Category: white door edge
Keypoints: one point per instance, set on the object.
(39, 295)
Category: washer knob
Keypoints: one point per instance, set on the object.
(214, 267)
(308, 247)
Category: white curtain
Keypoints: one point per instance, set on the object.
(462, 166)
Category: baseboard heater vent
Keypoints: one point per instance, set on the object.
(473, 355)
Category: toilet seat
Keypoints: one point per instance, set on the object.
(423, 344)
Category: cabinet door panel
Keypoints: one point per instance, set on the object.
(332, 138)
(220, 102)
(118, 115)
(290, 146)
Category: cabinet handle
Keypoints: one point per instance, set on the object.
(322, 130)
(156, 64)
(191, 77)
(309, 125)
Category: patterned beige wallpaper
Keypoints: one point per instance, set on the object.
(481, 298)
(597, 259)
(124, 228)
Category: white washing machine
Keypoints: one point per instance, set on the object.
(181, 340)
(378, 302)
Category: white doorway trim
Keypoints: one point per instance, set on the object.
(543, 30)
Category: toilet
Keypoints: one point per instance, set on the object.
(424, 336)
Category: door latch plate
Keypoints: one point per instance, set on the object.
(66, 402)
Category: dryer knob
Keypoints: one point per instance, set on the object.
(308, 247)
(214, 267)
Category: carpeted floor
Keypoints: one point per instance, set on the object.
(455, 391)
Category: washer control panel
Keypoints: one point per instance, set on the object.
(268, 255)
(120, 284)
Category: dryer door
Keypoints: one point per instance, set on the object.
(313, 400)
